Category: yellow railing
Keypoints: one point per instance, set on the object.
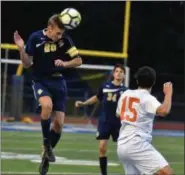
(95, 53)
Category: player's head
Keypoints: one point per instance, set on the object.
(55, 28)
(145, 77)
(118, 72)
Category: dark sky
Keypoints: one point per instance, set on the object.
(156, 30)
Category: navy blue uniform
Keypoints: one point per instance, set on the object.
(47, 79)
(109, 123)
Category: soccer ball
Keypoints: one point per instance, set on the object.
(70, 18)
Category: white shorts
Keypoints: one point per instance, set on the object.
(139, 157)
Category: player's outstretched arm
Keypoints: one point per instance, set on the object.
(26, 61)
(90, 101)
(165, 107)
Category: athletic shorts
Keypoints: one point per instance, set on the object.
(138, 156)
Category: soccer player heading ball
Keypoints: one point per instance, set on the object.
(48, 53)
(137, 109)
(109, 123)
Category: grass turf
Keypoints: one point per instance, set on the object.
(77, 147)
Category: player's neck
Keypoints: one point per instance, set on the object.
(149, 90)
(116, 82)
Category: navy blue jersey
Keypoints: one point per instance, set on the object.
(45, 52)
(109, 95)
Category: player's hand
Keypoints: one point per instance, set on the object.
(60, 63)
(168, 88)
(79, 104)
(18, 40)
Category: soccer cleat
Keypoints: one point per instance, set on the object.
(48, 154)
(44, 166)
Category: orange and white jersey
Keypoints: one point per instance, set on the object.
(136, 109)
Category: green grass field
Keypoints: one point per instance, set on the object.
(76, 150)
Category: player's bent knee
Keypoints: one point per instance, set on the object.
(46, 105)
(47, 108)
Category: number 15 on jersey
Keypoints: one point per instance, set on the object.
(128, 110)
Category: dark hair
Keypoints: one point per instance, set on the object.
(145, 77)
(116, 66)
(55, 20)
(119, 66)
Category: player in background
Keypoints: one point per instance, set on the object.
(137, 109)
(108, 124)
(48, 53)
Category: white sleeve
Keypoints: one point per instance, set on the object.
(151, 105)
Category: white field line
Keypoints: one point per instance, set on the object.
(71, 141)
(82, 150)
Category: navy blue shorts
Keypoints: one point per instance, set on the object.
(105, 130)
(54, 88)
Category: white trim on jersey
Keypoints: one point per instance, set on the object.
(110, 90)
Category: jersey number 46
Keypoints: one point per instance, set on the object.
(128, 111)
